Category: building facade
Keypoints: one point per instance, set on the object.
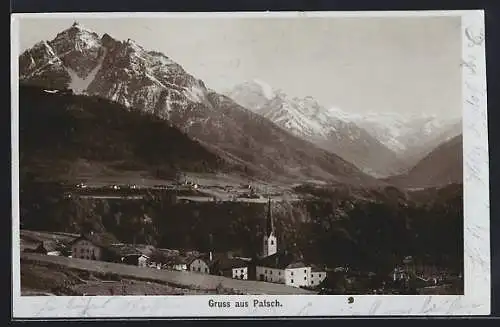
(143, 261)
(199, 266)
(269, 274)
(179, 267)
(240, 273)
(297, 275)
(83, 248)
(317, 277)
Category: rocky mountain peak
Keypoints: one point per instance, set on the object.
(151, 82)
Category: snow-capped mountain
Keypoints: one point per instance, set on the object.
(306, 118)
(151, 82)
(400, 132)
(120, 71)
(252, 94)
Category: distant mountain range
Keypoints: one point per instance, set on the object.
(380, 144)
(150, 82)
(442, 166)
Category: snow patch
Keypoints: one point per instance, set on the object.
(78, 84)
(195, 93)
(267, 90)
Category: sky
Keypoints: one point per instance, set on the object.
(407, 65)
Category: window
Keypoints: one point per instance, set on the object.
(199, 269)
(305, 271)
(81, 250)
(312, 282)
(312, 275)
(279, 273)
(291, 273)
(270, 272)
(272, 242)
(242, 270)
(206, 270)
(320, 275)
(291, 281)
(305, 277)
(265, 271)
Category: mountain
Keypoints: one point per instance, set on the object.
(397, 131)
(442, 166)
(417, 152)
(412, 137)
(150, 82)
(306, 118)
(59, 131)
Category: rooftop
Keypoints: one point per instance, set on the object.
(281, 260)
(103, 240)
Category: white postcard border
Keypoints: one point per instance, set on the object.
(475, 301)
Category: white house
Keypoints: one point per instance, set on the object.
(231, 267)
(283, 268)
(177, 263)
(198, 265)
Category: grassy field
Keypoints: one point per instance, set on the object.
(49, 279)
(34, 266)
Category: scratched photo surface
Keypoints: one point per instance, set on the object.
(245, 156)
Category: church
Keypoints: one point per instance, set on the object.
(281, 266)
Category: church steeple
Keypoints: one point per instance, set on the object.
(269, 221)
(270, 240)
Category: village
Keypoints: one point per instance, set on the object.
(271, 265)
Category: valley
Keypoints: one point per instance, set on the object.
(120, 140)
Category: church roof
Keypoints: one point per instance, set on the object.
(280, 260)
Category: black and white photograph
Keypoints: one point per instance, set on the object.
(250, 156)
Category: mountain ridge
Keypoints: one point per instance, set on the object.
(306, 118)
(442, 166)
(151, 82)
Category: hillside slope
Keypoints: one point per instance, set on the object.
(309, 120)
(58, 130)
(442, 166)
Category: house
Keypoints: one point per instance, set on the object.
(140, 260)
(198, 264)
(284, 268)
(94, 246)
(318, 275)
(177, 263)
(231, 267)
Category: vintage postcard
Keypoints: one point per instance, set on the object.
(249, 164)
